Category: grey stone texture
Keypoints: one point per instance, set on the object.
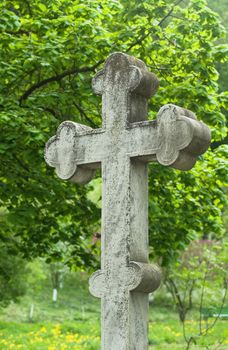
(122, 149)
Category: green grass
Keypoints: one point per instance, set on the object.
(74, 323)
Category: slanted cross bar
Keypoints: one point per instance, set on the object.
(122, 148)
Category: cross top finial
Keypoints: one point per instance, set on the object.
(125, 85)
(126, 73)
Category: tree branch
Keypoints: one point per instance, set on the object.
(51, 111)
(18, 32)
(57, 77)
(170, 12)
(22, 164)
(220, 309)
(178, 17)
(83, 114)
(176, 295)
(140, 40)
(202, 300)
(160, 71)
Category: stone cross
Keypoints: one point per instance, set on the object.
(122, 148)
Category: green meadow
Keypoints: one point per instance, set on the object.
(73, 322)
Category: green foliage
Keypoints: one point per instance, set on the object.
(12, 276)
(195, 198)
(49, 52)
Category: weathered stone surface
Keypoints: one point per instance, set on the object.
(137, 276)
(122, 148)
(61, 153)
(181, 137)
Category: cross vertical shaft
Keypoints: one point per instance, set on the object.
(139, 301)
(124, 325)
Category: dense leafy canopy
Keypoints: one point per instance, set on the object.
(49, 52)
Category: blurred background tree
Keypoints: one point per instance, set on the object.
(221, 8)
(13, 276)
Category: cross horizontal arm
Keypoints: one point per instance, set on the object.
(174, 139)
(74, 144)
(142, 140)
(88, 150)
